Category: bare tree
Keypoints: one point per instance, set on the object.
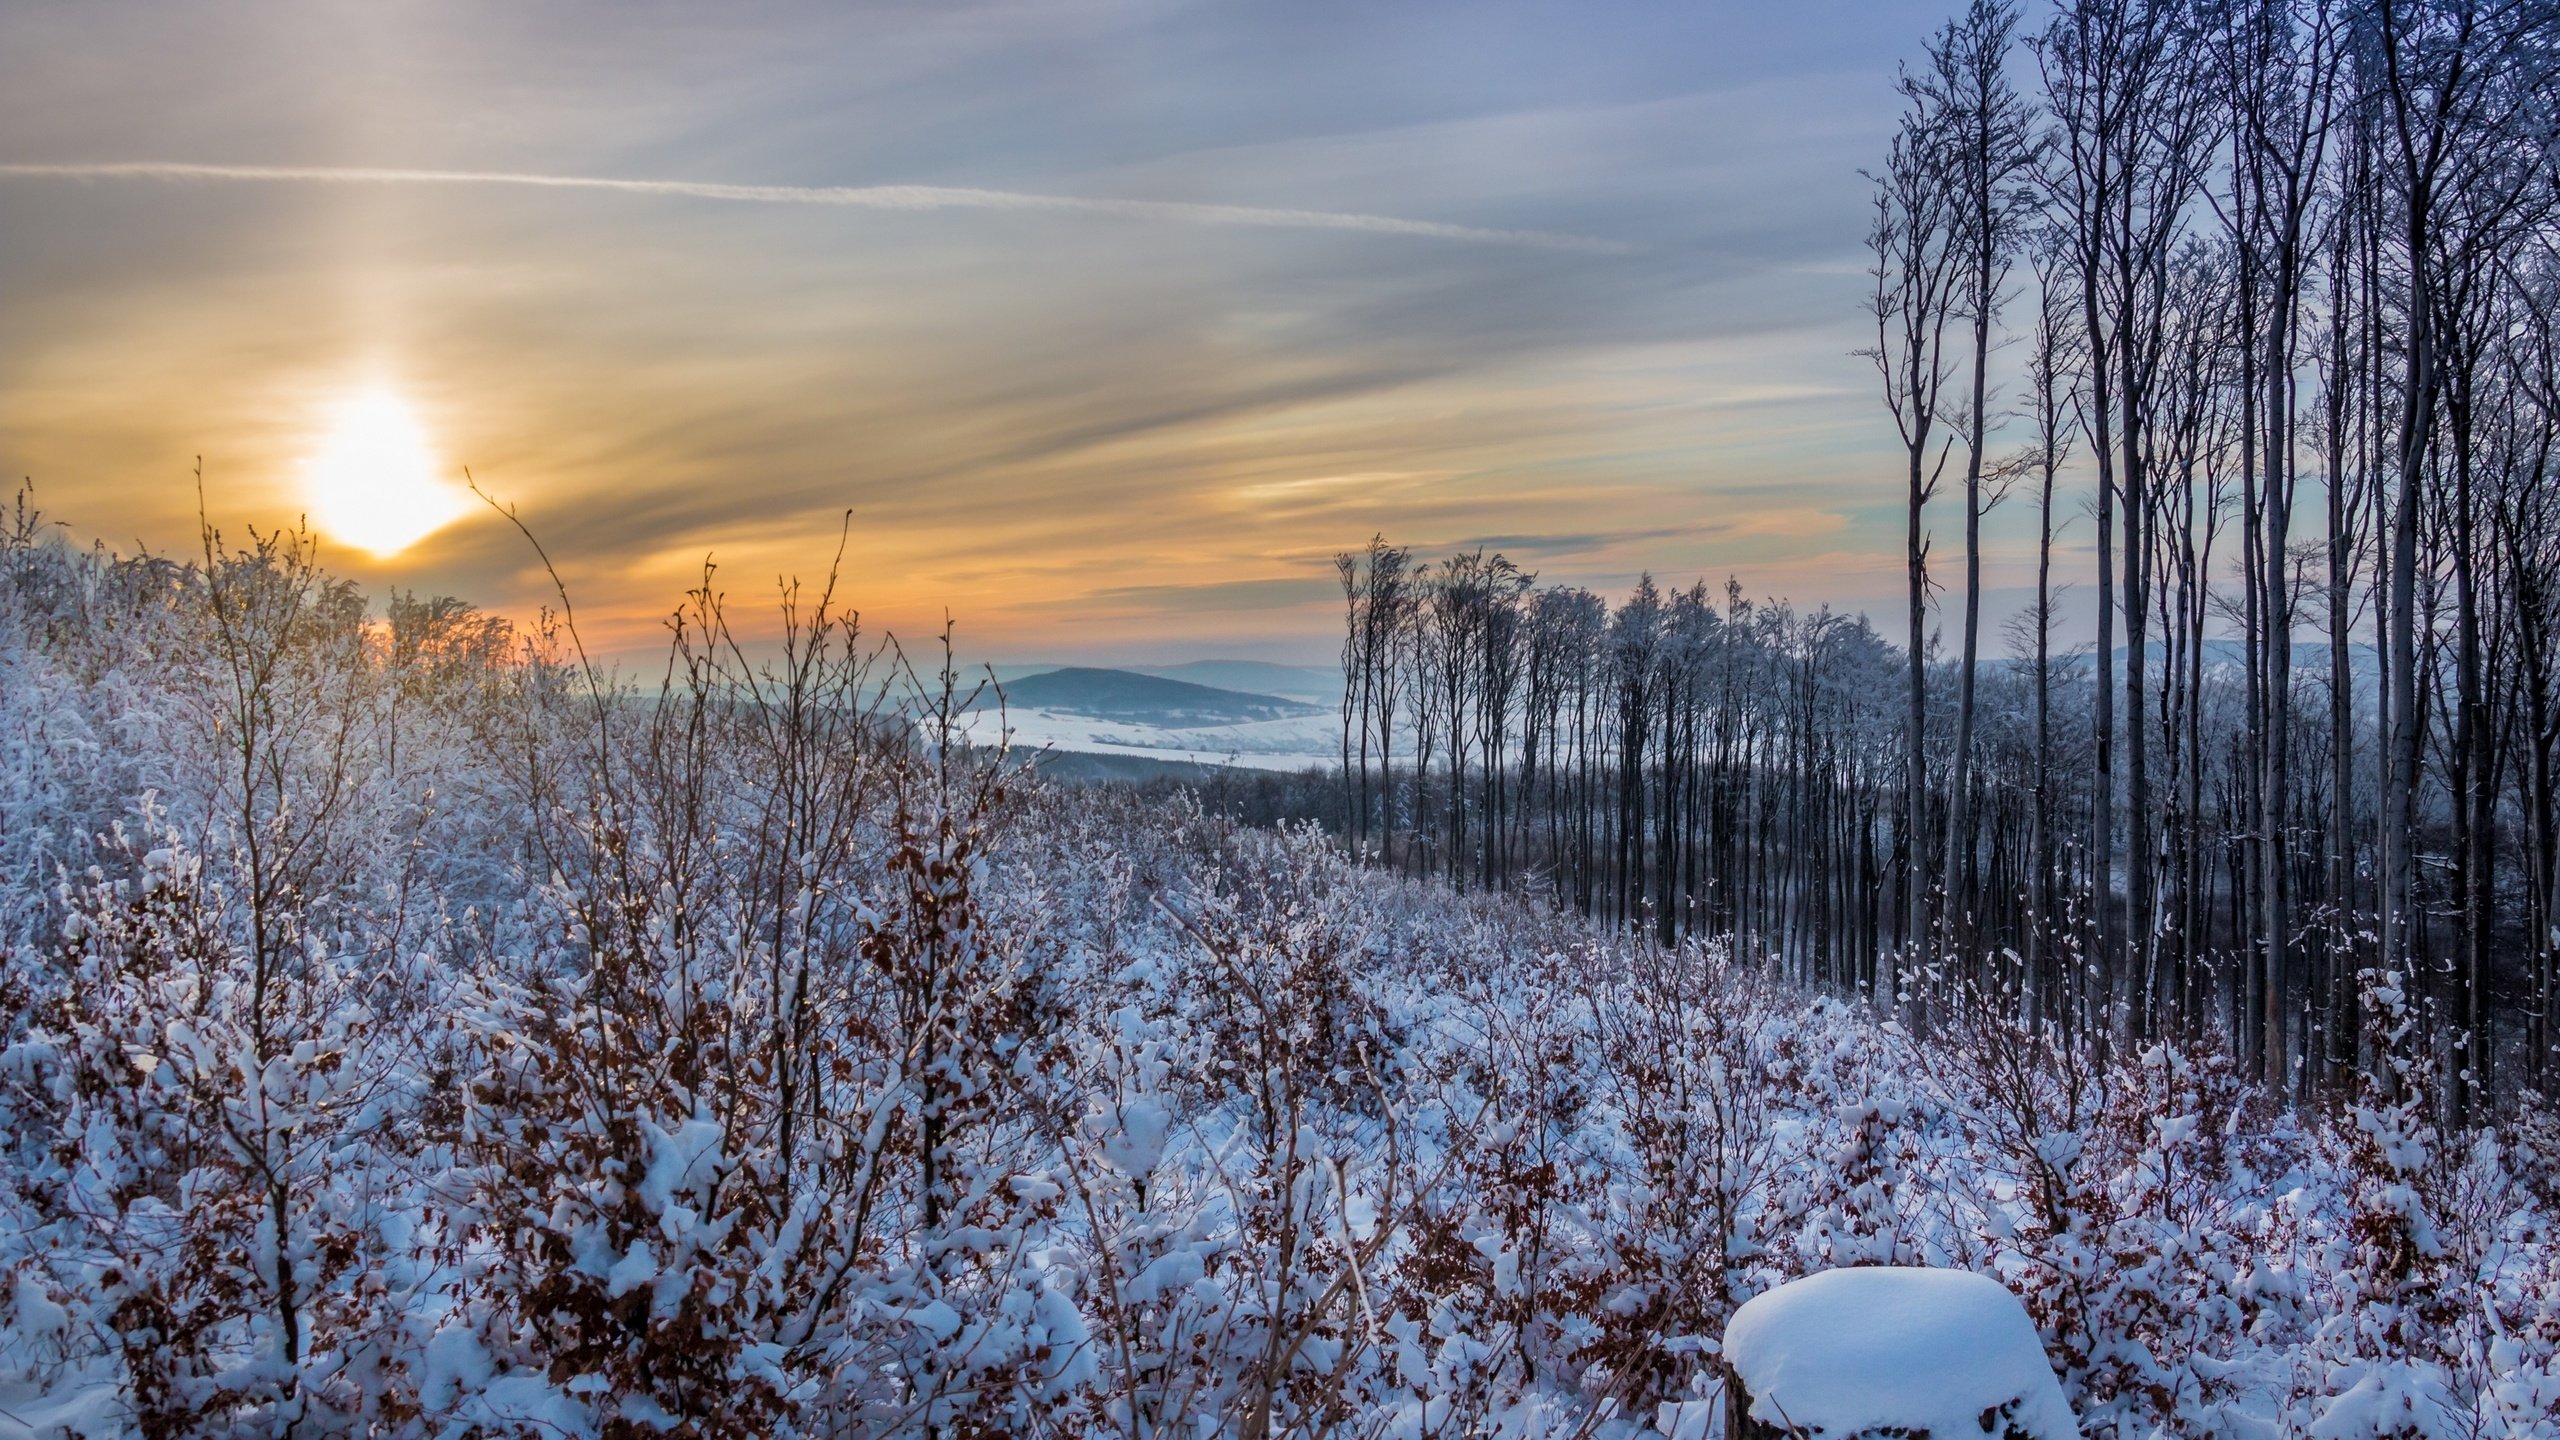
(1917, 264)
(1988, 150)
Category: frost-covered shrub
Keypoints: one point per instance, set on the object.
(2440, 1317)
(610, 1238)
(194, 1109)
(1505, 1269)
(1692, 1207)
(2118, 1200)
(1861, 1197)
(408, 1030)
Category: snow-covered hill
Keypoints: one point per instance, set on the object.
(1311, 684)
(1142, 699)
(1158, 717)
(1286, 744)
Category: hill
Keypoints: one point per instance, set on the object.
(1132, 698)
(1313, 684)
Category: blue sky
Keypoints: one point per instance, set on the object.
(1109, 432)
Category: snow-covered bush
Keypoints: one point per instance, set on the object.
(407, 1029)
(1691, 1210)
(2439, 1319)
(2121, 1200)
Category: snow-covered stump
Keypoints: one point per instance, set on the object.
(1890, 1351)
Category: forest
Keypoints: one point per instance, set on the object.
(2256, 300)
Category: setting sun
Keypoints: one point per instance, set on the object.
(372, 482)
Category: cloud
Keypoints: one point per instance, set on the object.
(1584, 543)
(1028, 399)
(867, 197)
(1272, 594)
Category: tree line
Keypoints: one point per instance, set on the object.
(2261, 287)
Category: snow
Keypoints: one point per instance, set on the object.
(1288, 744)
(2390, 1401)
(1134, 1138)
(80, 1411)
(1848, 1352)
(1491, 1170)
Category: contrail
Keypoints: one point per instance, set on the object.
(867, 197)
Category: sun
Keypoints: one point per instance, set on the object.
(372, 482)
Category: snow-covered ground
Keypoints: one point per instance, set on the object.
(683, 1066)
(1294, 743)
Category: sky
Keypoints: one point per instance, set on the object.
(1097, 326)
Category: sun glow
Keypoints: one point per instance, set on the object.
(373, 481)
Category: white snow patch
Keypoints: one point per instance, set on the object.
(1847, 1351)
(1134, 1138)
(74, 1410)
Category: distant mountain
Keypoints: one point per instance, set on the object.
(1312, 684)
(2224, 652)
(1132, 698)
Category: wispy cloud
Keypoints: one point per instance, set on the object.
(865, 197)
(1277, 593)
(1061, 383)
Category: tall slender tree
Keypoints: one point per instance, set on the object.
(1917, 266)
